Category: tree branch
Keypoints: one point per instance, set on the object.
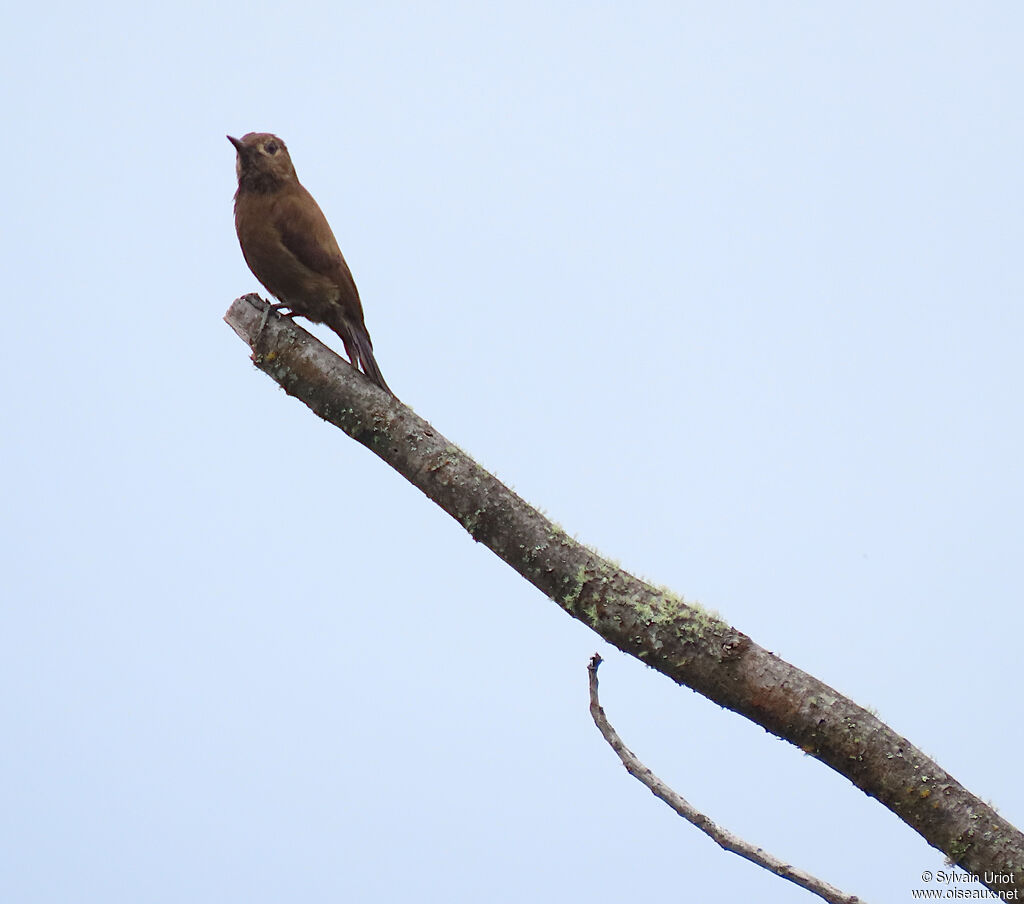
(683, 641)
(723, 838)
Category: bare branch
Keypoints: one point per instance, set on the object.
(682, 640)
(723, 838)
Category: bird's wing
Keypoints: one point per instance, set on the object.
(305, 233)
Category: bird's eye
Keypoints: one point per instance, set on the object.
(271, 148)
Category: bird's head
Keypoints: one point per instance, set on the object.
(263, 161)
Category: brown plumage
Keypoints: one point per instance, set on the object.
(289, 246)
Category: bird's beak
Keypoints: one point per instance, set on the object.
(238, 144)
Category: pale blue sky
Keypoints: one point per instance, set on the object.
(732, 291)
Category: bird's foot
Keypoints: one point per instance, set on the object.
(266, 316)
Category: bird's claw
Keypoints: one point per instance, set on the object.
(276, 307)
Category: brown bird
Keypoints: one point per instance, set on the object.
(289, 246)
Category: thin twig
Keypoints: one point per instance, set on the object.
(684, 808)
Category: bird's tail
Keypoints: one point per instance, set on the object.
(360, 352)
(368, 362)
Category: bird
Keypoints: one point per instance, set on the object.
(290, 248)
